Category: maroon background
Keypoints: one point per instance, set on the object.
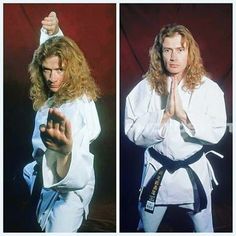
(211, 26)
(92, 26)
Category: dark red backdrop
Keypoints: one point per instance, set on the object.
(211, 26)
(92, 26)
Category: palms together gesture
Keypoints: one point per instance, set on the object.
(174, 107)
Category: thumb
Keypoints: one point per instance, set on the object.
(42, 128)
(52, 14)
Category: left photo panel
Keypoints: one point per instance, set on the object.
(59, 117)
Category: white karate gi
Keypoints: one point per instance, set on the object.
(205, 108)
(64, 203)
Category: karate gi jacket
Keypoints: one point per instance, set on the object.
(80, 179)
(205, 108)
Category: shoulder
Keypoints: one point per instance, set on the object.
(143, 88)
(77, 102)
(79, 110)
(143, 84)
(139, 98)
(207, 82)
(210, 86)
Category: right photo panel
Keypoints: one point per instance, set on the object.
(176, 118)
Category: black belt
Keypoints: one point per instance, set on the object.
(38, 183)
(149, 192)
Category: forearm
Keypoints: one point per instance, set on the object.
(206, 129)
(145, 130)
(166, 116)
(44, 36)
(183, 118)
(58, 162)
(63, 165)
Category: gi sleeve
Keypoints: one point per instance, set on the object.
(142, 122)
(44, 36)
(208, 125)
(85, 128)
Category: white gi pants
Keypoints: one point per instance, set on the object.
(64, 215)
(202, 220)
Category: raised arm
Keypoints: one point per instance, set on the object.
(50, 27)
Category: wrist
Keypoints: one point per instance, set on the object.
(183, 118)
(55, 153)
(56, 30)
(166, 116)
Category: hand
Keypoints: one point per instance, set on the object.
(56, 134)
(179, 111)
(174, 106)
(51, 23)
(170, 106)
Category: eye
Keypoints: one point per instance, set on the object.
(166, 50)
(60, 70)
(181, 49)
(46, 71)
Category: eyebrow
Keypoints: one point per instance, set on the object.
(173, 48)
(46, 68)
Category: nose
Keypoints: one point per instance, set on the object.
(173, 55)
(52, 75)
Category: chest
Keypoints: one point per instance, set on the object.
(196, 100)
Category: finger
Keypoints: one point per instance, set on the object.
(174, 81)
(42, 128)
(49, 124)
(47, 21)
(49, 119)
(44, 136)
(46, 26)
(57, 115)
(49, 27)
(56, 125)
(62, 126)
(48, 143)
(172, 86)
(52, 14)
(68, 129)
(53, 17)
(55, 119)
(50, 18)
(50, 114)
(48, 137)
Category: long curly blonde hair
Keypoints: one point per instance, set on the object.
(157, 73)
(78, 80)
